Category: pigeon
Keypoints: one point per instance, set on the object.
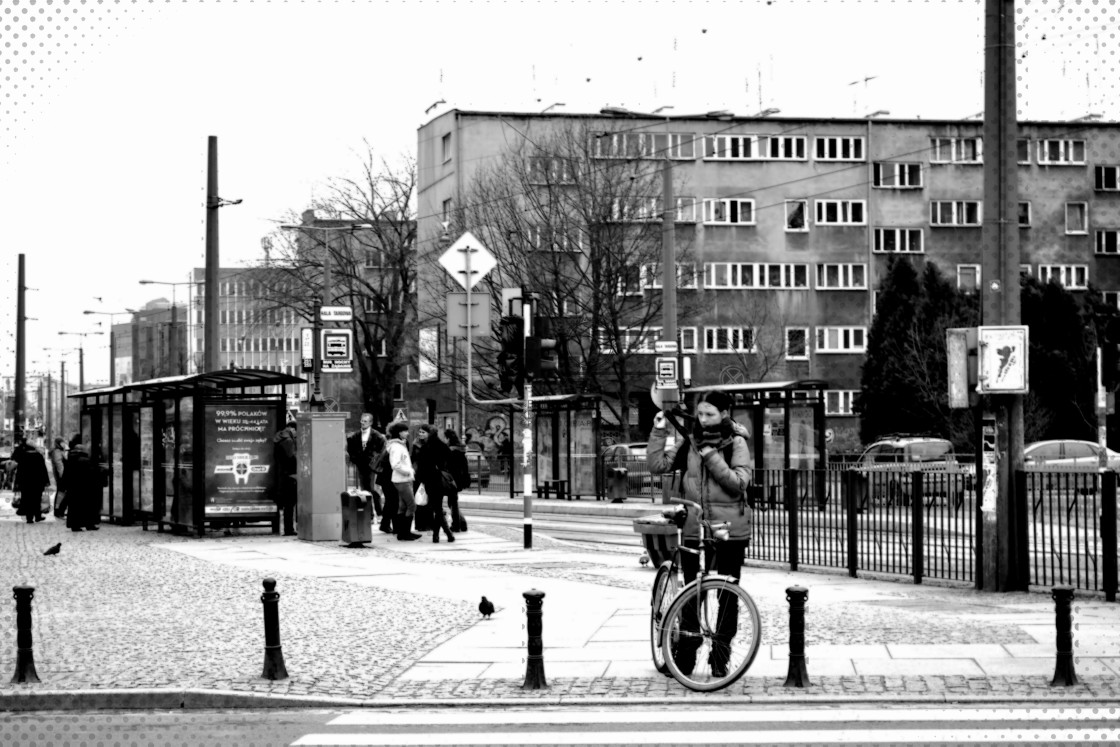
(54, 549)
(486, 607)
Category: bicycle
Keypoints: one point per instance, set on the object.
(709, 645)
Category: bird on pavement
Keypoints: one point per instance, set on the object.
(486, 607)
(54, 549)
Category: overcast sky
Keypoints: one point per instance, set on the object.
(106, 108)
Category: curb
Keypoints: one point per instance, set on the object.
(197, 699)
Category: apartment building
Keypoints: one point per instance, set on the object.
(800, 216)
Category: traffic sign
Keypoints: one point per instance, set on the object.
(466, 252)
(665, 346)
(666, 369)
(307, 348)
(336, 313)
(336, 346)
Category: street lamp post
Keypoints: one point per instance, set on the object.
(112, 340)
(81, 357)
(316, 399)
(176, 346)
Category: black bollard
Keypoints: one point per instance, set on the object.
(274, 668)
(798, 675)
(534, 665)
(25, 659)
(1063, 621)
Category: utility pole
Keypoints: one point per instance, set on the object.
(21, 356)
(1001, 566)
(528, 458)
(62, 399)
(210, 313)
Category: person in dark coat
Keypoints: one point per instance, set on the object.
(58, 467)
(32, 479)
(461, 471)
(82, 481)
(432, 471)
(362, 448)
(284, 451)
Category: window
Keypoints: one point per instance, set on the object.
(1061, 152)
(223, 316)
(1077, 217)
(373, 259)
(688, 339)
(795, 215)
(900, 240)
(954, 212)
(1106, 178)
(729, 212)
(729, 340)
(546, 239)
(446, 209)
(630, 281)
(1024, 215)
(630, 340)
(686, 275)
(839, 401)
(755, 147)
(841, 212)
(1073, 277)
(445, 142)
(1023, 151)
(968, 278)
(841, 277)
(1025, 269)
(887, 175)
(223, 344)
(1108, 241)
(956, 150)
(841, 339)
(551, 170)
(797, 343)
(755, 275)
(839, 148)
(644, 145)
(686, 210)
(1112, 298)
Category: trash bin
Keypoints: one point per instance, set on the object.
(659, 537)
(356, 507)
(617, 483)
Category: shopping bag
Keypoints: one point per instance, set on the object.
(421, 496)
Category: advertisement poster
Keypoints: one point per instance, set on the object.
(238, 458)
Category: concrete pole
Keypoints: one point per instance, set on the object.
(21, 354)
(1001, 570)
(210, 313)
(669, 266)
(528, 470)
(62, 400)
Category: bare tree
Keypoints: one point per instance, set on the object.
(575, 219)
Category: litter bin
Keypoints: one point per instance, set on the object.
(356, 507)
(659, 537)
(617, 483)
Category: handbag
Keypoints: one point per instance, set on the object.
(421, 496)
(449, 484)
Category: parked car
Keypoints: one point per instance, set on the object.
(478, 464)
(886, 468)
(1067, 455)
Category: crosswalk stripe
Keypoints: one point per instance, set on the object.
(754, 716)
(822, 736)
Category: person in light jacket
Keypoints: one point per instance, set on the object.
(717, 467)
(403, 475)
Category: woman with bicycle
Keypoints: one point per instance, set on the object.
(717, 467)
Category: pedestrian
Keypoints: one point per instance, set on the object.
(32, 480)
(403, 475)
(460, 470)
(718, 469)
(423, 512)
(433, 472)
(83, 481)
(58, 466)
(363, 448)
(284, 456)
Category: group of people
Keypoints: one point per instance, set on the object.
(78, 484)
(394, 471)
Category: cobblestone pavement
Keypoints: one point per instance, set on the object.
(121, 611)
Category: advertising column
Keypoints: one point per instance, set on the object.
(238, 459)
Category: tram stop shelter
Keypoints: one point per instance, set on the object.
(565, 439)
(187, 452)
(787, 426)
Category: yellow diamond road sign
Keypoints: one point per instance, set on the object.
(467, 256)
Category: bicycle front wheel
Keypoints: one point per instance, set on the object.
(665, 587)
(711, 634)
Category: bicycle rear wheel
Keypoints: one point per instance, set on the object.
(711, 634)
(665, 587)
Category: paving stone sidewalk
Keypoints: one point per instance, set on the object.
(127, 618)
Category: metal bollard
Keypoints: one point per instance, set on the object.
(534, 665)
(274, 668)
(25, 659)
(798, 675)
(1063, 621)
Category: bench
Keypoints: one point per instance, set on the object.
(560, 487)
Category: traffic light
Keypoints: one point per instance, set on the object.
(540, 352)
(510, 358)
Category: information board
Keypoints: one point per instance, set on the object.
(238, 457)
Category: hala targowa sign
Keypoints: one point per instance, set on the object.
(239, 458)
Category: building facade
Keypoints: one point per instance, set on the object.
(796, 219)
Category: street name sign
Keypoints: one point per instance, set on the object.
(336, 313)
